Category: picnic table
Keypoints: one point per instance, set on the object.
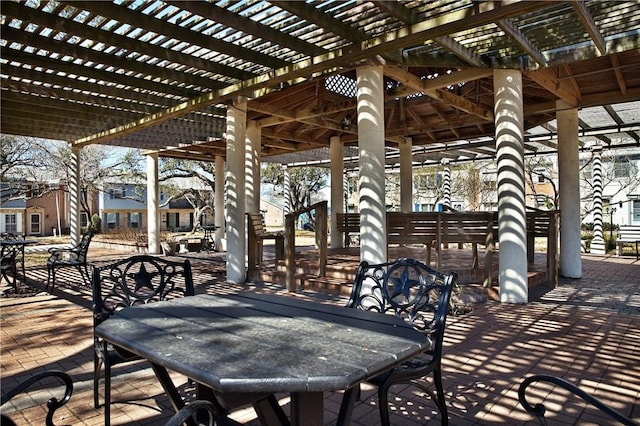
(264, 343)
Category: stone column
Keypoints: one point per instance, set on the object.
(371, 181)
(218, 208)
(337, 189)
(406, 176)
(74, 196)
(252, 166)
(597, 244)
(512, 235)
(153, 205)
(235, 191)
(569, 183)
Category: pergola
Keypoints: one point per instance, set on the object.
(161, 76)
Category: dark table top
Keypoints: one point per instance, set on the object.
(264, 343)
(17, 242)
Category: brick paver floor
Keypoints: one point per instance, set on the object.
(586, 330)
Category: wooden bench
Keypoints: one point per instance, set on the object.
(257, 233)
(544, 224)
(470, 228)
(628, 234)
(348, 223)
(413, 228)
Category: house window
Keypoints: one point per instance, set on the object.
(11, 223)
(84, 220)
(636, 210)
(173, 221)
(112, 220)
(117, 193)
(135, 219)
(623, 169)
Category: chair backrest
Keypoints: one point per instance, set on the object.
(9, 253)
(408, 289)
(82, 248)
(138, 280)
(256, 223)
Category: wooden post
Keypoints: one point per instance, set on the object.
(488, 256)
(290, 251)
(321, 237)
(552, 250)
(252, 245)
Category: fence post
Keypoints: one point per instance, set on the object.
(321, 236)
(290, 251)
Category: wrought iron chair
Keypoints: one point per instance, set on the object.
(539, 409)
(69, 257)
(11, 259)
(420, 295)
(52, 404)
(10, 255)
(133, 281)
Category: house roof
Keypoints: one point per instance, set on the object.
(158, 75)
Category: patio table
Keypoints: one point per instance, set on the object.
(208, 241)
(264, 343)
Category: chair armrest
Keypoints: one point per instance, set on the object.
(539, 409)
(53, 404)
(61, 254)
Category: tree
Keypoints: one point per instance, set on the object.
(620, 175)
(200, 196)
(25, 161)
(304, 182)
(541, 177)
(21, 159)
(100, 166)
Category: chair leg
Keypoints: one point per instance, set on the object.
(84, 272)
(440, 401)
(5, 274)
(97, 366)
(51, 278)
(107, 393)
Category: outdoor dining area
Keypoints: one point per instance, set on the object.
(228, 344)
(402, 311)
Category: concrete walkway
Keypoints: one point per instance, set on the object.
(587, 331)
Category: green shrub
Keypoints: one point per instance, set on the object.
(96, 223)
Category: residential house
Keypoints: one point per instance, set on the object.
(124, 207)
(38, 209)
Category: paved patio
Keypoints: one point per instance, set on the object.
(587, 331)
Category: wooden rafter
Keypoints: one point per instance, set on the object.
(590, 25)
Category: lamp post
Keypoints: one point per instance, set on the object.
(612, 210)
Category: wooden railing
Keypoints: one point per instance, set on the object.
(435, 230)
(321, 220)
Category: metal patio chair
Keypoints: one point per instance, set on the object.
(10, 256)
(539, 409)
(52, 404)
(420, 295)
(75, 257)
(137, 280)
